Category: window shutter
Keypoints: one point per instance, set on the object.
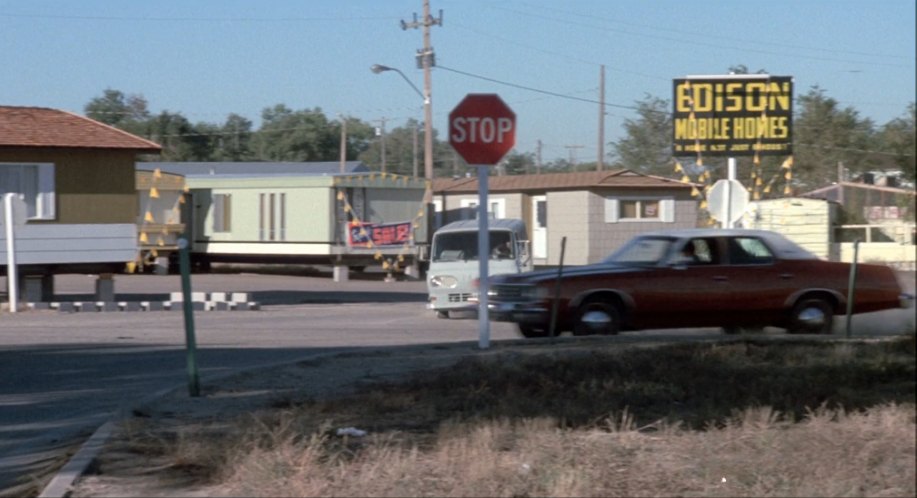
(612, 208)
(667, 206)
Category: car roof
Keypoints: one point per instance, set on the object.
(510, 224)
(784, 247)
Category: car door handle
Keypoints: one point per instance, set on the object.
(720, 278)
(786, 276)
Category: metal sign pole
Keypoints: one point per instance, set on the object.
(12, 278)
(483, 256)
(184, 260)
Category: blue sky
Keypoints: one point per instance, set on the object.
(209, 58)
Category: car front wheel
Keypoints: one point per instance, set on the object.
(597, 317)
(811, 316)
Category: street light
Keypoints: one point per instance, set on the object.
(379, 68)
(428, 129)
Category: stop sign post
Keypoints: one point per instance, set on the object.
(482, 129)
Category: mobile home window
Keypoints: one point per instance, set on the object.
(35, 183)
(623, 209)
(222, 213)
(272, 217)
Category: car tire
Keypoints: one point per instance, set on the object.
(442, 314)
(530, 332)
(597, 317)
(811, 316)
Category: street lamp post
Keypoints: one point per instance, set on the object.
(428, 130)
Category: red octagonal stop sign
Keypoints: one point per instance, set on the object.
(482, 128)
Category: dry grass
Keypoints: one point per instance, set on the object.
(741, 419)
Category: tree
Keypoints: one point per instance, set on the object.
(824, 135)
(234, 140)
(114, 108)
(518, 163)
(897, 139)
(647, 144)
(179, 139)
(399, 149)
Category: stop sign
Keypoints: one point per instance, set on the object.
(482, 128)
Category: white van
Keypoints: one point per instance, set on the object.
(451, 278)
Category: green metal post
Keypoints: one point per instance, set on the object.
(851, 285)
(194, 388)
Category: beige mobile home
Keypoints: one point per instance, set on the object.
(597, 211)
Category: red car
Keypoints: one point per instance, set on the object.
(694, 278)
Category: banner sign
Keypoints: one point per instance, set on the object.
(361, 234)
(732, 115)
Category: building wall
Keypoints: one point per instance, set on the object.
(569, 216)
(92, 186)
(606, 236)
(808, 222)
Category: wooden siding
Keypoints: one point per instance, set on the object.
(42, 244)
(92, 186)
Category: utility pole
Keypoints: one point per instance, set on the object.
(426, 59)
(571, 149)
(601, 159)
(538, 156)
(380, 132)
(414, 152)
(343, 142)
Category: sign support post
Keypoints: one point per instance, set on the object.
(12, 278)
(483, 259)
(482, 129)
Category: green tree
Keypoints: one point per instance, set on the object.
(518, 163)
(824, 135)
(180, 140)
(399, 149)
(234, 138)
(897, 139)
(114, 108)
(647, 144)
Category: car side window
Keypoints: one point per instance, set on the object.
(749, 251)
(698, 252)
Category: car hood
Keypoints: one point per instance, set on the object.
(534, 277)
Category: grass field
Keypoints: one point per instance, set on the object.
(745, 418)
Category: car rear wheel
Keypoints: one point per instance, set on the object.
(531, 332)
(442, 314)
(811, 316)
(597, 317)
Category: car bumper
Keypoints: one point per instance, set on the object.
(517, 312)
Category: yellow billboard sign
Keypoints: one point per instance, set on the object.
(735, 115)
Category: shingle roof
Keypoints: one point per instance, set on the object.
(43, 127)
(557, 181)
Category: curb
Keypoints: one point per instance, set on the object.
(61, 483)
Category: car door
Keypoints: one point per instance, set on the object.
(683, 293)
(759, 281)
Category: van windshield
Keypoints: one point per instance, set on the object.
(463, 246)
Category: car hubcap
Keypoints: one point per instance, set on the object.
(596, 320)
(812, 317)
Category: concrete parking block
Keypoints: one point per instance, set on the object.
(107, 306)
(240, 297)
(151, 305)
(129, 305)
(40, 306)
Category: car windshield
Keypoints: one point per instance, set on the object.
(642, 251)
(463, 246)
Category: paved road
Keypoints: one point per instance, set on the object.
(63, 374)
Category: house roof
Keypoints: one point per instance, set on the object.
(253, 169)
(821, 192)
(557, 181)
(43, 127)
